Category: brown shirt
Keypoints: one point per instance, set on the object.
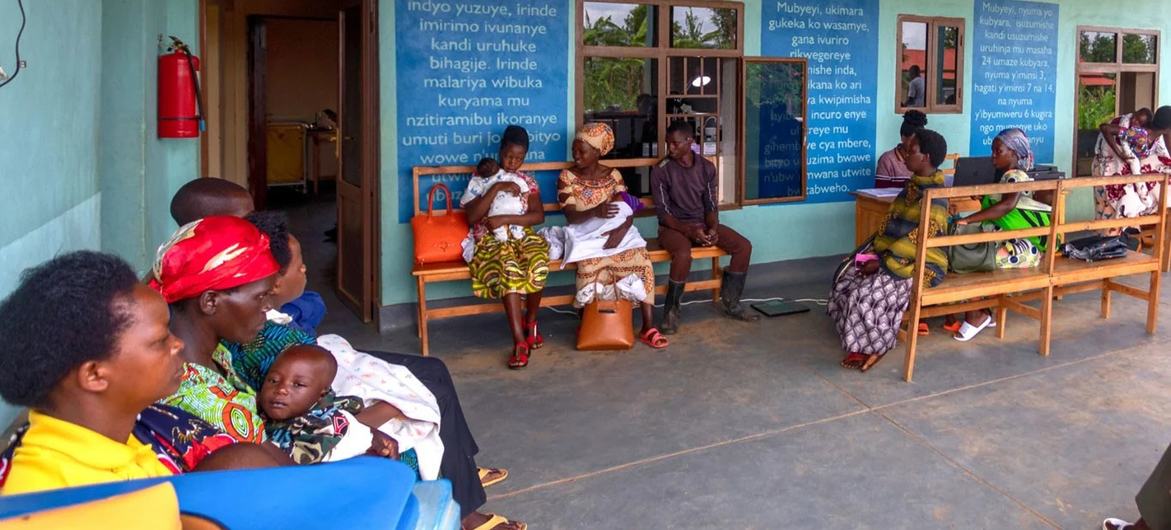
(685, 193)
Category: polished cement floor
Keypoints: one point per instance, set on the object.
(756, 426)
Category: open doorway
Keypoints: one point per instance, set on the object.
(296, 104)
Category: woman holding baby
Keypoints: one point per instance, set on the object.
(509, 261)
(618, 266)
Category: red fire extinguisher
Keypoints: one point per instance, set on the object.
(180, 108)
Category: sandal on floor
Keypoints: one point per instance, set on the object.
(952, 327)
(533, 337)
(495, 520)
(1118, 524)
(654, 339)
(485, 471)
(519, 358)
(924, 330)
(968, 332)
(853, 358)
(877, 360)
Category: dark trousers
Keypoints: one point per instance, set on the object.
(459, 448)
(679, 246)
(1154, 500)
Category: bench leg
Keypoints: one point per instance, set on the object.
(1153, 303)
(1001, 321)
(1106, 298)
(425, 343)
(716, 276)
(1046, 321)
(912, 336)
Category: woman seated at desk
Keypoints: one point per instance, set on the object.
(892, 169)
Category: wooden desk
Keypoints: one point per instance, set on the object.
(869, 212)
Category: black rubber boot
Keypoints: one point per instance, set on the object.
(670, 324)
(730, 292)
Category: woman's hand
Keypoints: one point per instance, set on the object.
(495, 222)
(961, 221)
(869, 268)
(613, 238)
(510, 188)
(606, 210)
(382, 445)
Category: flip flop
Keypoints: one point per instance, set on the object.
(924, 330)
(865, 368)
(654, 339)
(968, 332)
(853, 358)
(520, 356)
(495, 520)
(485, 471)
(1118, 523)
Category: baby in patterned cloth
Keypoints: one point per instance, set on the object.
(489, 173)
(309, 422)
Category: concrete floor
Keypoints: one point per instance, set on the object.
(755, 425)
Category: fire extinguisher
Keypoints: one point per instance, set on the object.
(180, 105)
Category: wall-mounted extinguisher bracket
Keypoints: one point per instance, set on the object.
(180, 107)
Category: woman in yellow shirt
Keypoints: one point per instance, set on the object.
(86, 348)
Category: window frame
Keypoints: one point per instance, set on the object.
(933, 25)
(741, 147)
(1117, 68)
(663, 53)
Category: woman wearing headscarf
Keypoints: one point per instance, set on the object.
(1012, 156)
(216, 274)
(892, 171)
(1131, 144)
(612, 260)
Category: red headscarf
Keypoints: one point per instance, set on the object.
(213, 253)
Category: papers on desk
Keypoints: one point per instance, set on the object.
(879, 193)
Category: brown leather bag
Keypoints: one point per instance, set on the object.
(438, 237)
(606, 325)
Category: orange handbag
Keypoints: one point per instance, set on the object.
(438, 237)
(606, 325)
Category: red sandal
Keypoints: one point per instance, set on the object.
(520, 356)
(533, 337)
(654, 339)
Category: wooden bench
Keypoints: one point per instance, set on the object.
(458, 270)
(1009, 290)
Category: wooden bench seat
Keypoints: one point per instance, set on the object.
(450, 271)
(1014, 289)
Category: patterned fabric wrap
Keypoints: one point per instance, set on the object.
(1129, 200)
(1018, 142)
(213, 253)
(226, 402)
(897, 237)
(180, 441)
(868, 310)
(251, 361)
(505, 267)
(309, 438)
(1018, 253)
(582, 194)
(599, 135)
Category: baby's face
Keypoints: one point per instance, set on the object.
(291, 388)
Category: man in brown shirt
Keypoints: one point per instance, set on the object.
(685, 188)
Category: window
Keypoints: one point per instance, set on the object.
(643, 65)
(929, 72)
(1117, 73)
(775, 97)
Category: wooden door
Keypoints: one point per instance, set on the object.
(358, 156)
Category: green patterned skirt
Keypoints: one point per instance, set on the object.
(505, 267)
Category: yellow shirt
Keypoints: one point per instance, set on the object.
(57, 454)
(153, 508)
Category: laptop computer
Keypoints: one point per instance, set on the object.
(974, 170)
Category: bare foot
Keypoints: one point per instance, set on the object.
(475, 519)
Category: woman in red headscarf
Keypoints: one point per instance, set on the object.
(217, 274)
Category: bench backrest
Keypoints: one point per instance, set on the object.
(1058, 226)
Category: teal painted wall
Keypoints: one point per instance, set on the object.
(82, 166)
(50, 137)
(810, 229)
(139, 172)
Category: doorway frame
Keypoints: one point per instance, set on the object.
(256, 104)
